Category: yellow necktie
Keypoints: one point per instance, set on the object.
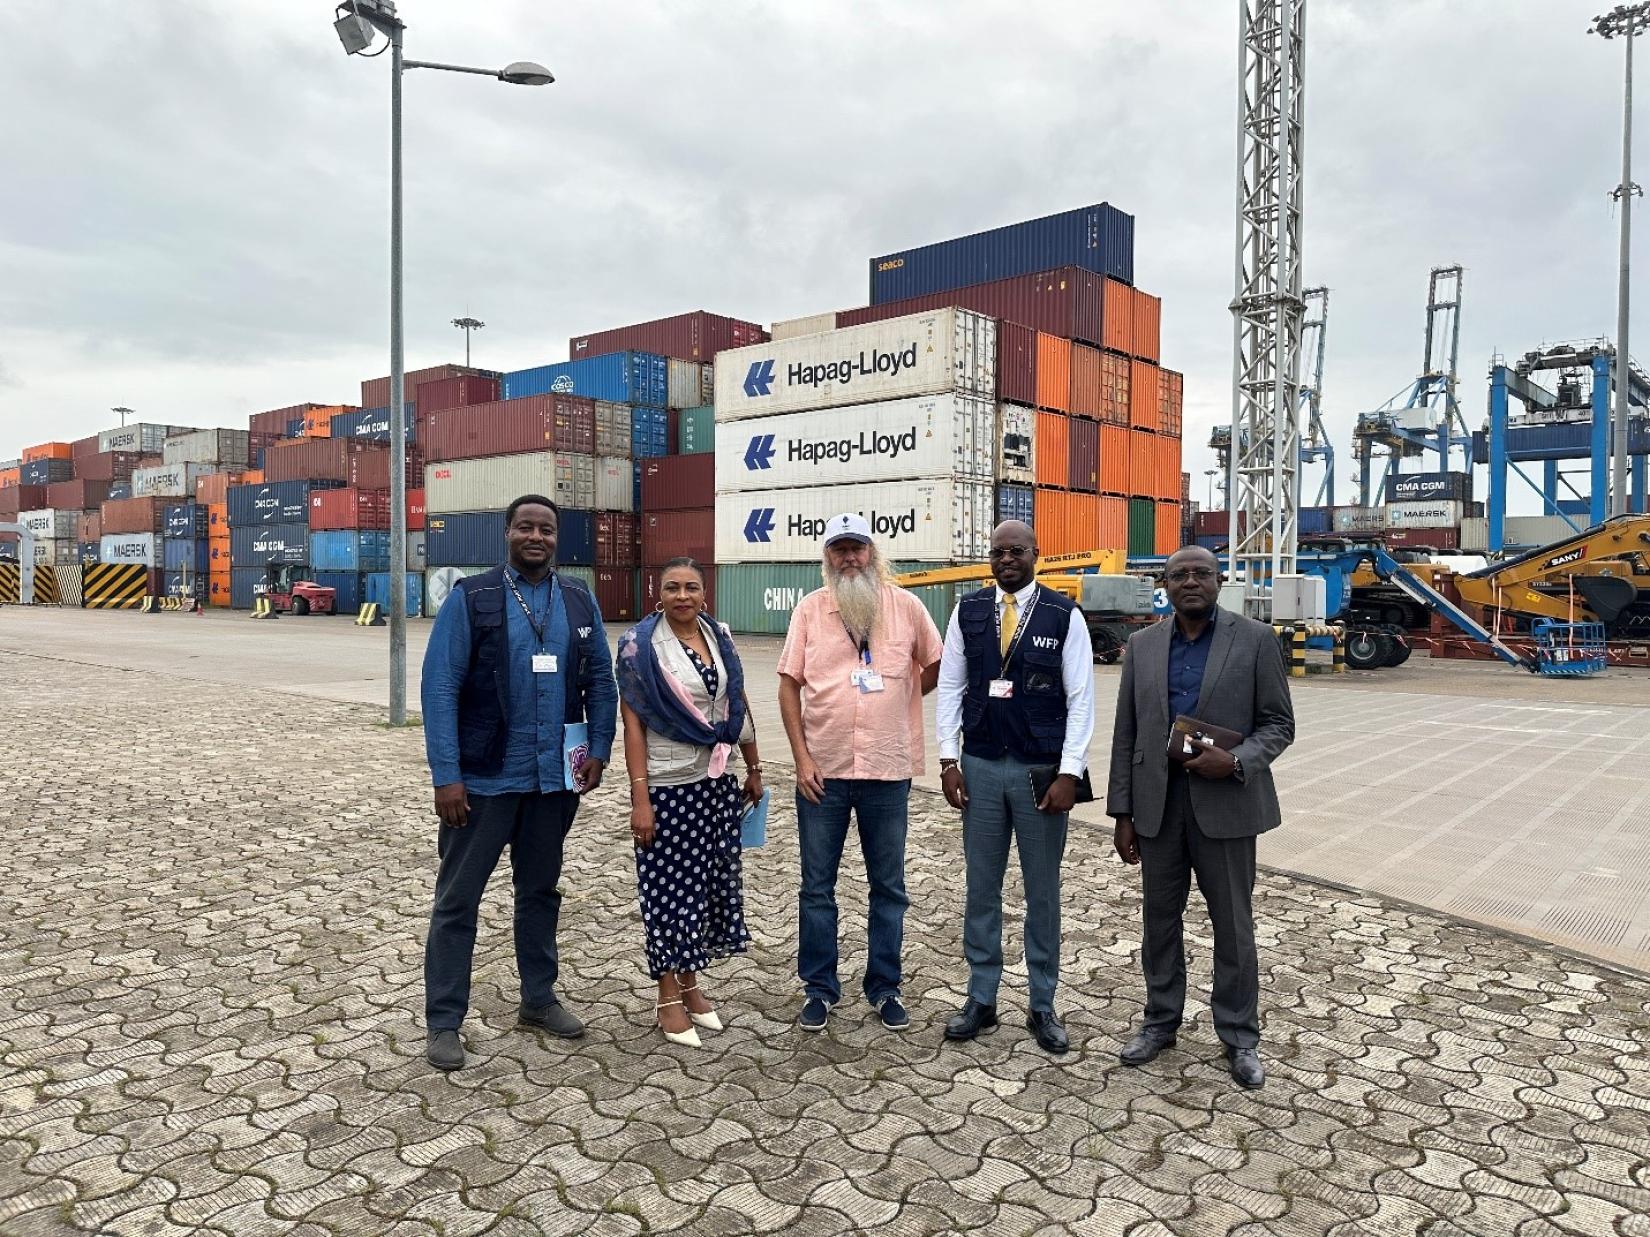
(1011, 619)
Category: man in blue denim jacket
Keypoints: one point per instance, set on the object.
(517, 654)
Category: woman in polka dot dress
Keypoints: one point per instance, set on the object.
(683, 701)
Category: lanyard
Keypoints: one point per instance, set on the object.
(533, 622)
(1019, 630)
(864, 646)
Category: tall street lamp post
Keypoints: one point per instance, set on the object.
(468, 324)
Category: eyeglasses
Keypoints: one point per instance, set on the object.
(1009, 551)
(1182, 574)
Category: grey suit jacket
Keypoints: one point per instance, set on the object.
(1245, 688)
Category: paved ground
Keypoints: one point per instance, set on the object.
(211, 909)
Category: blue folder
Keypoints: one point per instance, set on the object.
(753, 825)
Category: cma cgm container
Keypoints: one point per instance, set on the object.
(464, 538)
(186, 520)
(623, 377)
(1429, 487)
(261, 545)
(373, 424)
(1068, 302)
(920, 354)
(926, 436)
(273, 502)
(696, 336)
(925, 521)
(46, 471)
(1098, 238)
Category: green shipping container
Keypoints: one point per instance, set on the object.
(757, 598)
(1142, 527)
(696, 431)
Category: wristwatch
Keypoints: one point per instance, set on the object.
(947, 762)
(1237, 768)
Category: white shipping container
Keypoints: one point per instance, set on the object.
(1016, 444)
(438, 584)
(811, 324)
(921, 354)
(1424, 515)
(143, 438)
(50, 522)
(689, 384)
(128, 548)
(1359, 519)
(922, 521)
(615, 484)
(211, 446)
(169, 480)
(52, 552)
(1475, 534)
(928, 436)
(1539, 530)
(575, 481)
(612, 428)
(490, 484)
(415, 552)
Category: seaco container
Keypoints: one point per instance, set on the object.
(623, 377)
(261, 545)
(926, 436)
(1067, 302)
(696, 336)
(272, 502)
(920, 354)
(1098, 238)
(925, 521)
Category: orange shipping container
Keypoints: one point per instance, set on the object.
(217, 519)
(318, 421)
(1085, 381)
(213, 487)
(1168, 468)
(217, 587)
(1053, 449)
(1148, 325)
(1065, 523)
(1143, 395)
(1142, 464)
(10, 477)
(1113, 516)
(1114, 388)
(48, 451)
(1117, 321)
(253, 476)
(1053, 372)
(1168, 528)
(1114, 461)
(1171, 388)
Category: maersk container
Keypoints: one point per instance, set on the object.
(373, 424)
(185, 520)
(1436, 514)
(169, 480)
(261, 545)
(946, 435)
(612, 428)
(1016, 502)
(576, 538)
(49, 523)
(376, 587)
(464, 538)
(227, 448)
(186, 554)
(128, 548)
(922, 354)
(1098, 238)
(925, 521)
(695, 336)
(145, 438)
(348, 589)
(1358, 519)
(438, 585)
(612, 481)
(350, 550)
(274, 502)
(689, 383)
(623, 377)
(696, 430)
(649, 432)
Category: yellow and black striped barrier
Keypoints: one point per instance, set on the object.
(1298, 634)
(263, 608)
(151, 604)
(371, 615)
(45, 585)
(11, 584)
(113, 586)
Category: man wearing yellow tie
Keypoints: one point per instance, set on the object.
(1016, 708)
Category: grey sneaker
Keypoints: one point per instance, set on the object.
(444, 1050)
(552, 1018)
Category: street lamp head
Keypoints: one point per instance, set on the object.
(355, 33)
(526, 73)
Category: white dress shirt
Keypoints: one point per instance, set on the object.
(1077, 673)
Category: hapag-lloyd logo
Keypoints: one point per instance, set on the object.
(885, 525)
(868, 443)
(870, 363)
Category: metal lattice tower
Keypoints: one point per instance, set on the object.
(1316, 444)
(1267, 308)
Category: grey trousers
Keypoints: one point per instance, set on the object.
(1001, 809)
(1225, 871)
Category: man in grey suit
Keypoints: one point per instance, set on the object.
(1201, 818)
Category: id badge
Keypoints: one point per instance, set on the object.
(1002, 689)
(870, 681)
(544, 663)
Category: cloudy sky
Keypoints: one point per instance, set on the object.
(193, 219)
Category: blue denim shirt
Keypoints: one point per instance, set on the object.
(1187, 660)
(533, 759)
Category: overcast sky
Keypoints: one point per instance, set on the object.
(193, 213)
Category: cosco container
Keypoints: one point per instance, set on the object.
(192, 554)
(623, 377)
(926, 436)
(1067, 302)
(246, 584)
(50, 523)
(926, 521)
(128, 548)
(464, 538)
(696, 336)
(229, 448)
(262, 545)
(349, 550)
(1429, 487)
(1435, 514)
(696, 430)
(273, 502)
(1098, 238)
(348, 593)
(688, 533)
(376, 587)
(690, 384)
(186, 584)
(187, 520)
(921, 354)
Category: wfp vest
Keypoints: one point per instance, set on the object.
(1031, 725)
(484, 699)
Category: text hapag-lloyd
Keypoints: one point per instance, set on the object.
(883, 526)
(844, 450)
(868, 364)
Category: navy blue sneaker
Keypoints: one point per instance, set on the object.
(893, 1013)
(815, 1010)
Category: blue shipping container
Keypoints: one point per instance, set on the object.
(180, 584)
(622, 377)
(1313, 521)
(44, 472)
(1213, 541)
(1014, 502)
(576, 538)
(186, 554)
(261, 544)
(89, 551)
(120, 489)
(295, 428)
(347, 586)
(378, 589)
(184, 520)
(464, 539)
(246, 583)
(350, 550)
(276, 502)
(649, 433)
(636, 486)
(373, 423)
(1097, 238)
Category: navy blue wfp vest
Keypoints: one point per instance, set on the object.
(1031, 725)
(484, 699)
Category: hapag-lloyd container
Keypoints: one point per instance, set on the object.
(1016, 445)
(927, 436)
(922, 354)
(128, 548)
(695, 336)
(623, 377)
(168, 480)
(1434, 514)
(925, 521)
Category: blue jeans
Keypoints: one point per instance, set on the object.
(822, 828)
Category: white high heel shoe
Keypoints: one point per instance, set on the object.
(688, 1038)
(711, 1021)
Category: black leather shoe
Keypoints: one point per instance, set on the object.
(552, 1018)
(1045, 1025)
(1144, 1047)
(1246, 1069)
(970, 1020)
(444, 1050)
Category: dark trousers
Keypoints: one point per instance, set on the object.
(1225, 871)
(534, 827)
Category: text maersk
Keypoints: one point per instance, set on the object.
(884, 526)
(870, 363)
(868, 443)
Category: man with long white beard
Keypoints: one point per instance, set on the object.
(860, 655)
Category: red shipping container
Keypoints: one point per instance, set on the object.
(275, 420)
(15, 498)
(508, 427)
(415, 508)
(109, 465)
(1067, 301)
(365, 465)
(1433, 538)
(135, 515)
(375, 392)
(650, 587)
(616, 594)
(679, 534)
(349, 508)
(574, 422)
(618, 539)
(675, 482)
(91, 526)
(1016, 364)
(77, 495)
(696, 336)
(80, 448)
(1083, 438)
(459, 392)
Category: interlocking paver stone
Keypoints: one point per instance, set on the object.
(211, 919)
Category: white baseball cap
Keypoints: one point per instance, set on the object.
(848, 527)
